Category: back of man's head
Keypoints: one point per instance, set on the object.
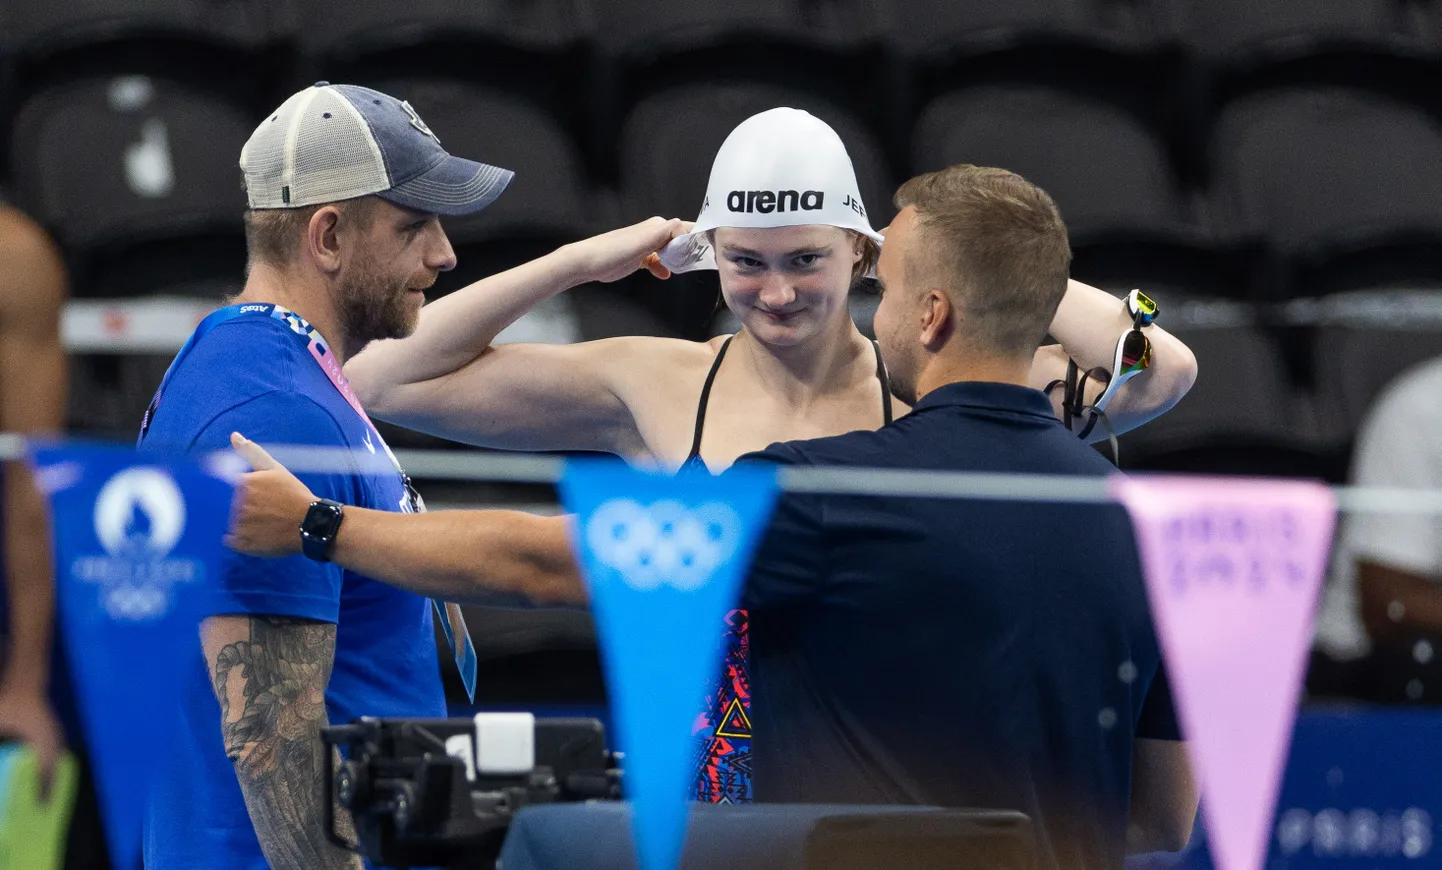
(998, 247)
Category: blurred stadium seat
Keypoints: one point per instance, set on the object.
(41, 26)
(229, 46)
(356, 28)
(1106, 170)
(1130, 219)
(532, 49)
(1233, 31)
(642, 28)
(829, 48)
(1365, 340)
(109, 393)
(927, 28)
(137, 177)
(1345, 182)
(157, 165)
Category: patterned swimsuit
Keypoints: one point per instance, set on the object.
(722, 730)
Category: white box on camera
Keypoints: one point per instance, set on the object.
(505, 743)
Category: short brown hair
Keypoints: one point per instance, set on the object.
(997, 244)
(272, 235)
(870, 251)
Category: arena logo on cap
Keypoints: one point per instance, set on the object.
(139, 519)
(665, 543)
(768, 201)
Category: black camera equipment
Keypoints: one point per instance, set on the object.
(441, 792)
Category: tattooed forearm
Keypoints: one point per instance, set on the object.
(270, 676)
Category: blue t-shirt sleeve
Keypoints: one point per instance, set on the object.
(292, 586)
(788, 565)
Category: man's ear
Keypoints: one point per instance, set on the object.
(321, 243)
(938, 319)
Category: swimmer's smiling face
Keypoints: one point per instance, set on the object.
(785, 284)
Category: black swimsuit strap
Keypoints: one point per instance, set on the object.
(695, 453)
(706, 397)
(885, 379)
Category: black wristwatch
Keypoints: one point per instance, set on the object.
(319, 528)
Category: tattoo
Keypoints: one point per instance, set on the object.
(271, 688)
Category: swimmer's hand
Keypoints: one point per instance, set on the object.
(268, 505)
(614, 255)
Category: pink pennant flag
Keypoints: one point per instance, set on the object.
(1233, 568)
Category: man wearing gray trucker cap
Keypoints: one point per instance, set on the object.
(345, 186)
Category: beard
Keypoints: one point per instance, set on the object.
(374, 304)
(903, 387)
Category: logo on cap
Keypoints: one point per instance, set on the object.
(768, 201)
(417, 122)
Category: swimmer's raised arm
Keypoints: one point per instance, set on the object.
(1087, 324)
(448, 379)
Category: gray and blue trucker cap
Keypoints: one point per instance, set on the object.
(330, 143)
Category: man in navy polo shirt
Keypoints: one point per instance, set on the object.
(967, 653)
(344, 186)
(906, 650)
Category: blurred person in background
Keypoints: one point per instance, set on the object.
(784, 224)
(1379, 634)
(905, 650)
(35, 703)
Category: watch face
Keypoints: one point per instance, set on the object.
(320, 521)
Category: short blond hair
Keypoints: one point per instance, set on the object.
(997, 243)
(272, 235)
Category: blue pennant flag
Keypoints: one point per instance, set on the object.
(137, 544)
(664, 558)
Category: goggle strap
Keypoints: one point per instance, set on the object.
(1095, 416)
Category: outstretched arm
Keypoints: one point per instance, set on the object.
(448, 379)
(455, 555)
(1087, 324)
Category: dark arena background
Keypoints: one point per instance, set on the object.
(1268, 171)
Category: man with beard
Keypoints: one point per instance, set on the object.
(345, 186)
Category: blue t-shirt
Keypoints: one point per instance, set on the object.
(958, 653)
(253, 374)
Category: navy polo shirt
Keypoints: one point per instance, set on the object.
(957, 653)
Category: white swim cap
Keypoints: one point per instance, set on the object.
(781, 168)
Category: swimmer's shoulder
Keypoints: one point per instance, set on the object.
(654, 361)
(659, 381)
